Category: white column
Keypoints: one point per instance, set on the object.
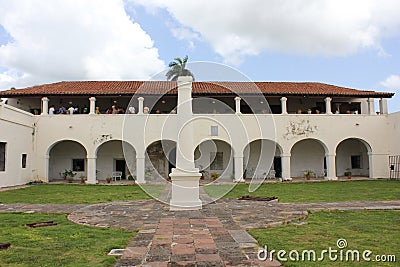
(284, 105)
(331, 167)
(328, 105)
(185, 177)
(46, 167)
(184, 155)
(140, 170)
(238, 162)
(237, 105)
(371, 106)
(140, 100)
(45, 106)
(285, 159)
(92, 107)
(383, 108)
(364, 106)
(91, 169)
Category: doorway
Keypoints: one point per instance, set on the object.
(278, 167)
(120, 166)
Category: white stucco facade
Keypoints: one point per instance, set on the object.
(328, 144)
(17, 133)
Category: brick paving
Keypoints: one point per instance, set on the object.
(213, 236)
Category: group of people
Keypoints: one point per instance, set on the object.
(71, 110)
(85, 110)
(115, 110)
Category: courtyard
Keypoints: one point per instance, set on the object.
(93, 219)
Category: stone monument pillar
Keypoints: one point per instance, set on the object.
(185, 177)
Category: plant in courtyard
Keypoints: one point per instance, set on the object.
(203, 172)
(214, 176)
(148, 173)
(131, 177)
(69, 175)
(108, 179)
(178, 68)
(348, 173)
(83, 179)
(35, 181)
(308, 174)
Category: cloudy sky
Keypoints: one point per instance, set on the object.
(352, 43)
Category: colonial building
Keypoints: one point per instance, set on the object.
(240, 129)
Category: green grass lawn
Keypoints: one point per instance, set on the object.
(66, 244)
(378, 231)
(316, 192)
(77, 194)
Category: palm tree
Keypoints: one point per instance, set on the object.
(178, 68)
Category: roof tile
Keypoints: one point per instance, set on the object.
(163, 87)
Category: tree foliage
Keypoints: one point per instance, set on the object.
(178, 68)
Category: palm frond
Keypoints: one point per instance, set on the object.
(171, 64)
(179, 60)
(178, 68)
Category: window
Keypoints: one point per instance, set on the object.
(2, 156)
(216, 159)
(78, 165)
(23, 161)
(214, 130)
(356, 162)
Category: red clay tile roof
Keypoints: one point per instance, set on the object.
(93, 88)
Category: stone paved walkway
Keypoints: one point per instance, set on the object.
(213, 236)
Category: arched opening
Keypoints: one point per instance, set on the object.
(67, 156)
(262, 159)
(308, 154)
(352, 156)
(115, 156)
(160, 159)
(214, 158)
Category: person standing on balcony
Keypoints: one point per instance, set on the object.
(62, 110)
(85, 110)
(131, 109)
(51, 110)
(71, 109)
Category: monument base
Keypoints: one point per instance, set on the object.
(331, 178)
(185, 190)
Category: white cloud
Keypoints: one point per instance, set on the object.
(237, 28)
(184, 33)
(73, 40)
(392, 82)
